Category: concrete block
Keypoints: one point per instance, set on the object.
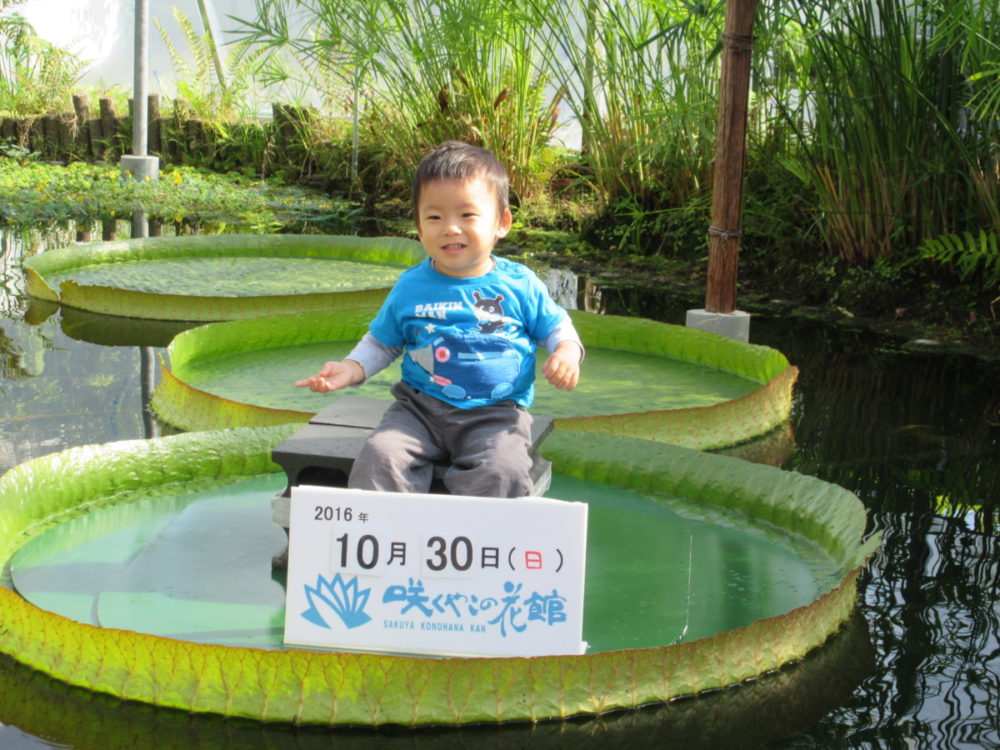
(141, 167)
(735, 325)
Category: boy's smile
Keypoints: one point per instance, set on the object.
(459, 222)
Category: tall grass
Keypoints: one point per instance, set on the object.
(236, 97)
(421, 72)
(642, 80)
(888, 141)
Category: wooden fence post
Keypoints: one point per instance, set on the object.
(153, 113)
(33, 134)
(50, 137)
(66, 128)
(108, 125)
(81, 106)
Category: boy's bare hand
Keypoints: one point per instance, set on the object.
(562, 368)
(333, 377)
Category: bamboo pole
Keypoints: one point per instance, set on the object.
(730, 151)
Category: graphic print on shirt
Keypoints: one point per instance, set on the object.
(489, 312)
(477, 363)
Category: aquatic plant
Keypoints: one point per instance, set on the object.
(195, 393)
(109, 293)
(309, 687)
(35, 194)
(887, 139)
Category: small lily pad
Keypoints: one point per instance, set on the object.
(221, 277)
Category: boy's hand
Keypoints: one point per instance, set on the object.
(334, 376)
(562, 368)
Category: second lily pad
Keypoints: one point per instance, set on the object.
(640, 378)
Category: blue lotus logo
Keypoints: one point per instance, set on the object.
(335, 596)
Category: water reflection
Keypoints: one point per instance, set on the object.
(916, 435)
(740, 717)
(56, 391)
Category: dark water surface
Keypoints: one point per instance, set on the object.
(915, 434)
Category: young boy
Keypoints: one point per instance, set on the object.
(467, 324)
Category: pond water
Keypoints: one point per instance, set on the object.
(194, 563)
(916, 434)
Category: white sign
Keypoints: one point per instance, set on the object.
(435, 574)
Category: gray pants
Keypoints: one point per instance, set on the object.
(487, 448)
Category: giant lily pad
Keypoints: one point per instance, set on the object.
(641, 378)
(191, 562)
(351, 688)
(221, 277)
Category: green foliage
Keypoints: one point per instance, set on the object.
(470, 70)
(18, 153)
(886, 137)
(642, 80)
(37, 194)
(35, 76)
(230, 94)
(967, 255)
(872, 125)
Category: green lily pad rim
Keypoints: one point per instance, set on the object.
(109, 300)
(327, 688)
(721, 425)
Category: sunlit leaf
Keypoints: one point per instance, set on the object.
(640, 379)
(350, 688)
(84, 276)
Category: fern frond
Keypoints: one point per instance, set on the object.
(967, 254)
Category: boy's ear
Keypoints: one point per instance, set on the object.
(504, 224)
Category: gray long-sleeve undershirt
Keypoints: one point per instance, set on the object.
(374, 356)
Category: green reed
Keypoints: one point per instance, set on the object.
(887, 139)
(420, 72)
(642, 80)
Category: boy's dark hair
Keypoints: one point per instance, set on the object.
(453, 160)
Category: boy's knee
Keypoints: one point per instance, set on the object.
(498, 478)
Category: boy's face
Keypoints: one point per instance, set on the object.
(459, 222)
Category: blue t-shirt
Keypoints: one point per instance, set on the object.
(469, 341)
